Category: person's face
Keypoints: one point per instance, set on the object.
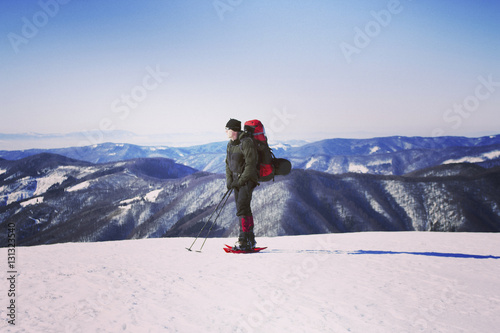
(231, 134)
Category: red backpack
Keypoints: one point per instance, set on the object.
(268, 164)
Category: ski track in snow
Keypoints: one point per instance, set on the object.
(359, 282)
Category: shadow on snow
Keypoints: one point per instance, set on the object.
(372, 252)
(429, 254)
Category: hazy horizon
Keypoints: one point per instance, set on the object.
(315, 69)
(26, 141)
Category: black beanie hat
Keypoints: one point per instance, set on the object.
(234, 125)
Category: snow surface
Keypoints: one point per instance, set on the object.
(475, 159)
(130, 201)
(152, 196)
(44, 183)
(357, 168)
(359, 282)
(311, 162)
(33, 201)
(82, 186)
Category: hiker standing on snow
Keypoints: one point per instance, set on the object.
(242, 177)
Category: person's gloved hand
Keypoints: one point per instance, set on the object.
(235, 184)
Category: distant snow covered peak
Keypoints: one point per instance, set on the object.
(285, 145)
(78, 187)
(475, 159)
(280, 146)
(493, 154)
(358, 168)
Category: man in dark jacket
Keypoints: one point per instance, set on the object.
(242, 177)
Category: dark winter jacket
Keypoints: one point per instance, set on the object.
(241, 161)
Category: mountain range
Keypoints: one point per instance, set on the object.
(53, 198)
(385, 156)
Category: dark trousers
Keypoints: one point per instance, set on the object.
(243, 197)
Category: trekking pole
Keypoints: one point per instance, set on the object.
(213, 223)
(225, 196)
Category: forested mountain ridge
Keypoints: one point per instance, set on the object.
(52, 199)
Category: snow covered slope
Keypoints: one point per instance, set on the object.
(358, 282)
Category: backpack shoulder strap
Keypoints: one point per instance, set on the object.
(241, 142)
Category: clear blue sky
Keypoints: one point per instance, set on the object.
(308, 69)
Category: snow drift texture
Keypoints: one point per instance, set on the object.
(356, 282)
